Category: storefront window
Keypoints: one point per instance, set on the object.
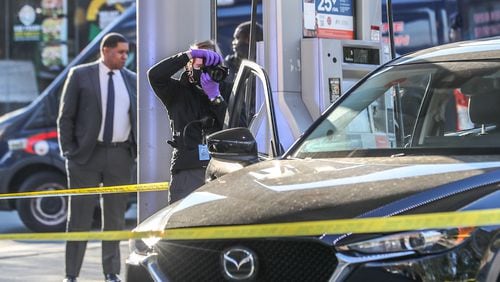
(38, 38)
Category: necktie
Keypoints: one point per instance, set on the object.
(110, 111)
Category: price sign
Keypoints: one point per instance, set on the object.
(335, 19)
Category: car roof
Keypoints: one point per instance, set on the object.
(480, 49)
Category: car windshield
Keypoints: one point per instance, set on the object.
(413, 107)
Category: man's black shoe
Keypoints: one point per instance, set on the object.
(112, 278)
(69, 279)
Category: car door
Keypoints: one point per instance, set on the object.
(250, 130)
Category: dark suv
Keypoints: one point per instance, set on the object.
(421, 134)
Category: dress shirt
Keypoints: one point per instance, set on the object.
(121, 120)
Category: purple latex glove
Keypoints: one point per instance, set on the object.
(210, 58)
(210, 87)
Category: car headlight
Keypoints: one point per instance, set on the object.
(424, 242)
(156, 222)
(159, 220)
(138, 246)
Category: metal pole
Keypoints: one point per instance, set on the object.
(213, 20)
(390, 21)
(164, 28)
(281, 52)
(7, 30)
(77, 34)
(252, 44)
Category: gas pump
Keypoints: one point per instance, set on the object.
(316, 57)
(345, 47)
(331, 66)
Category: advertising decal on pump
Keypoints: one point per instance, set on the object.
(335, 19)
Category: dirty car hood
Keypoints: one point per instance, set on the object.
(321, 189)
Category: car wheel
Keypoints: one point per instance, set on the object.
(43, 214)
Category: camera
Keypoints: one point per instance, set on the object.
(217, 73)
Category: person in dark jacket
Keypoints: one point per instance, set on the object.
(240, 46)
(196, 105)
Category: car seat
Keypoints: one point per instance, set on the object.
(484, 109)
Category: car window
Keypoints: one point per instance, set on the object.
(249, 107)
(439, 105)
(414, 29)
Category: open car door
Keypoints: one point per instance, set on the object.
(250, 131)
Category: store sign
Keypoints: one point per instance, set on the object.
(485, 21)
(102, 12)
(26, 33)
(329, 19)
(27, 15)
(106, 17)
(54, 55)
(27, 30)
(401, 37)
(54, 7)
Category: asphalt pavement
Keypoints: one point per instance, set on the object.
(44, 261)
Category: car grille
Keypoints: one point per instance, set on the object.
(278, 259)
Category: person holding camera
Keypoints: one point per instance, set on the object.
(196, 105)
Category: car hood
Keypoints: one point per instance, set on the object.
(325, 189)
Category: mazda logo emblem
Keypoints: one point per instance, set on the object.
(239, 263)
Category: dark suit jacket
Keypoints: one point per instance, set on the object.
(80, 112)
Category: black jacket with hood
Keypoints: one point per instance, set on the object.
(192, 115)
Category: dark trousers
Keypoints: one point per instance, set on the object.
(109, 166)
(185, 181)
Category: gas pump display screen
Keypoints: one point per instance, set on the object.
(355, 55)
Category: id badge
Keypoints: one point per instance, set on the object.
(203, 154)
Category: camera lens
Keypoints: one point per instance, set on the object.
(217, 73)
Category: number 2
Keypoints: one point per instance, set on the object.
(325, 5)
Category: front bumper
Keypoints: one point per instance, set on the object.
(283, 259)
(276, 259)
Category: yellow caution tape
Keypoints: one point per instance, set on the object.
(82, 236)
(310, 228)
(145, 187)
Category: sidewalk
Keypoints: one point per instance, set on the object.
(44, 261)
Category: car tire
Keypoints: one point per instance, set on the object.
(44, 214)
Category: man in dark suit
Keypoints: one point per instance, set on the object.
(97, 136)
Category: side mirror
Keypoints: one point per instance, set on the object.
(233, 144)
